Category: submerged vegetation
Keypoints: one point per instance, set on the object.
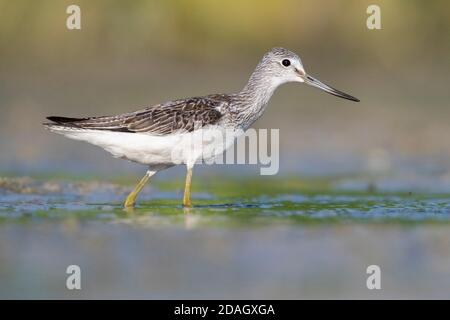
(228, 201)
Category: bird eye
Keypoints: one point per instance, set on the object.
(286, 62)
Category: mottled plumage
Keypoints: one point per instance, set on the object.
(160, 136)
(183, 115)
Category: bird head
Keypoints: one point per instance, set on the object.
(282, 66)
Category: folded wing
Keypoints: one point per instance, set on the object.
(183, 115)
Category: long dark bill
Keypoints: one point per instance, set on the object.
(322, 86)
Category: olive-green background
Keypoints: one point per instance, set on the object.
(131, 54)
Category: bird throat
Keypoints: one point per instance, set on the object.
(255, 96)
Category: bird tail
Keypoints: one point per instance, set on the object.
(63, 124)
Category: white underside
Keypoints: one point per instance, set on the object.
(158, 151)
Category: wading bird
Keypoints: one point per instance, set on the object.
(156, 136)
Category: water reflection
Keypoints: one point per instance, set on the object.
(285, 244)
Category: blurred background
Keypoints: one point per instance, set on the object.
(302, 234)
(137, 53)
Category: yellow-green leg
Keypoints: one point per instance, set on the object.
(187, 188)
(131, 199)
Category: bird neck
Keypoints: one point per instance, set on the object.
(256, 94)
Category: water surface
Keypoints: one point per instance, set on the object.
(244, 238)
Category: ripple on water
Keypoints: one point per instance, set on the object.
(103, 200)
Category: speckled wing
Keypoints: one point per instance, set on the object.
(182, 115)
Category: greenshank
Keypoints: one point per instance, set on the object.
(156, 136)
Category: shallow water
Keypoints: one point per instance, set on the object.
(244, 238)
